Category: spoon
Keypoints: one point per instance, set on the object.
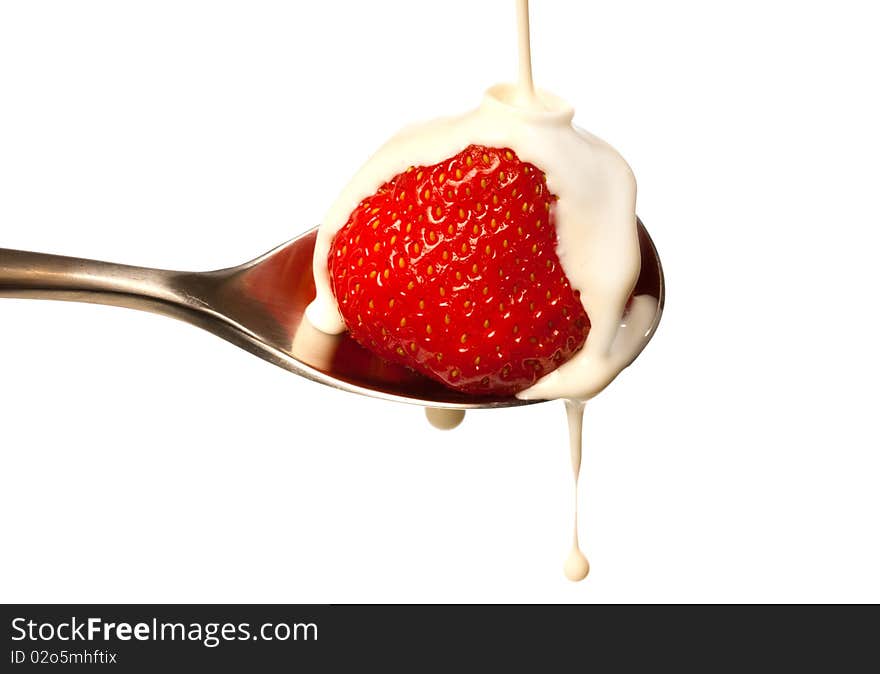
(259, 306)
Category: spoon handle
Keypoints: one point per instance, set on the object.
(43, 276)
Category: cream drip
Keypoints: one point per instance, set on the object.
(444, 419)
(597, 236)
(576, 565)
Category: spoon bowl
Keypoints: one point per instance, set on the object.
(260, 307)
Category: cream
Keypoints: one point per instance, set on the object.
(576, 566)
(597, 236)
(444, 419)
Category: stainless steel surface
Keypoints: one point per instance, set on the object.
(259, 307)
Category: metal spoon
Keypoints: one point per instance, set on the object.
(259, 306)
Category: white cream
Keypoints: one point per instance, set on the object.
(576, 566)
(597, 236)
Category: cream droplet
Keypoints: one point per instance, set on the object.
(576, 566)
(444, 419)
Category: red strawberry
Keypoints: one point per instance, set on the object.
(451, 269)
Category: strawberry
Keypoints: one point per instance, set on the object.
(452, 270)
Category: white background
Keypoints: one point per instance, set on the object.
(144, 460)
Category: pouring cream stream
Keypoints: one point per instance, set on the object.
(595, 221)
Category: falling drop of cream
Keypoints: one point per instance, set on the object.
(444, 419)
(576, 566)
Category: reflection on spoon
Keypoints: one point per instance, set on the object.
(312, 346)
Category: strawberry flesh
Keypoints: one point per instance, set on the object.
(452, 270)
